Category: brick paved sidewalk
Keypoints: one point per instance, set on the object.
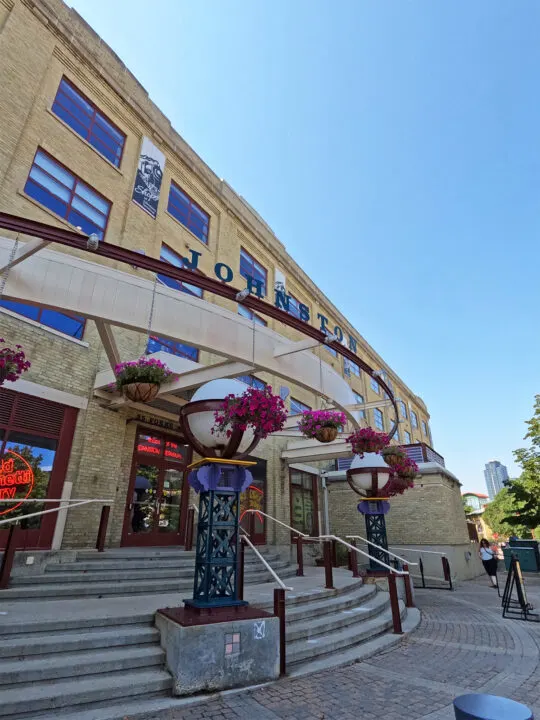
(462, 645)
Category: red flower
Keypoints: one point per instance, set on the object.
(258, 409)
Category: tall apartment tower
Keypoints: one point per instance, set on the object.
(496, 475)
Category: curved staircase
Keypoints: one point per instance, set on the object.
(94, 654)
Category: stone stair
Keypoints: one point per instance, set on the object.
(125, 572)
(100, 659)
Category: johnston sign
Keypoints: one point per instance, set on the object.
(281, 300)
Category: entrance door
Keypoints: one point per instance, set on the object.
(35, 442)
(254, 498)
(155, 506)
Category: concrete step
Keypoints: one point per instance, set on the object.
(82, 663)
(336, 620)
(87, 586)
(153, 553)
(131, 574)
(342, 601)
(46, 626)
(77, 691)
(38, 643)
(114, 564)
(307, 649)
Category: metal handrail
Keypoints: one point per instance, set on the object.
(368, 542)
(331, 537)
(58, 509)
(370, 557)
(267, 566)
(48, 500)
(430, 552)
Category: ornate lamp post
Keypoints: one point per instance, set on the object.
(367, 476)
(221, 475)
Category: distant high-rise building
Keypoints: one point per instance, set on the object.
(496, 475)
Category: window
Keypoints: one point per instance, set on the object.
(250, 315)
(396, 436)
(350, 367)
(72, 325)
(424, 427)
(407, 437)
(188, 213)
(374, 385)
(414, 419)
(330, 349)
(83, 116)
(169, 256)
(157, 344)
(59, 190)
(402, 409)
(360, 399)
(304, 510)
(378, 417)
(249, 267)
(252, 381)
(298, 407)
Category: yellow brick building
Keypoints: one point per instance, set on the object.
(83, 146)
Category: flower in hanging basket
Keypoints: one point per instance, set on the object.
(13, 362)
(393, 454)
(406, 468)
(403, 474)
(367, 440)
(322, 424)
(257, 409)
(140, 379)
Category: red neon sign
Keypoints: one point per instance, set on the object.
(12, 476)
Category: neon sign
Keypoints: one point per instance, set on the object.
(15, 472)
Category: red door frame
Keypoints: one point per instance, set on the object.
(41, 538)
(248, 521)
(154, 538)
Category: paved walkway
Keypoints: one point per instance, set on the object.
(462, 645)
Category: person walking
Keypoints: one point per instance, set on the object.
(489, 561)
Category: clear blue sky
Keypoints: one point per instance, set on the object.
(394, 147)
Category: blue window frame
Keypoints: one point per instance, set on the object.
(84, 117)
(252, 381)
(249, 267)
(157, 344)
(414, 419)
(379, 419)
(72, 325)
(407, 436)
(298, 407)
(169, 256)
(350, 367)
(360, 399)
(59, 190)
(188, 213)
(374, 385)
(402, 409)
(250, 315)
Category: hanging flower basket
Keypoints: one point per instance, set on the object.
(367, 440)
(403, 474)
(13, 362)
(393, 454)
(322, 425)
(140, 380)
(258, 410)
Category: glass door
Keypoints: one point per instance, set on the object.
(155, 511)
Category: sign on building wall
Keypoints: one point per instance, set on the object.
(149, 177)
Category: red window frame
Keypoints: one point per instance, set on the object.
(252, 260)
(77, 180)
(192, 203)
(97, 111)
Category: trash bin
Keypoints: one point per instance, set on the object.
(489, 707)
(533, 544)
(527, 556)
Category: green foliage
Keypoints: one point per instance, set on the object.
(525, 491)
(498, 512)
(468, 509)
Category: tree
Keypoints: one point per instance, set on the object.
(468, 508)
(525, 491)
(498, 512)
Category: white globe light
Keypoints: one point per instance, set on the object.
(201, 423)
(362, 482)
